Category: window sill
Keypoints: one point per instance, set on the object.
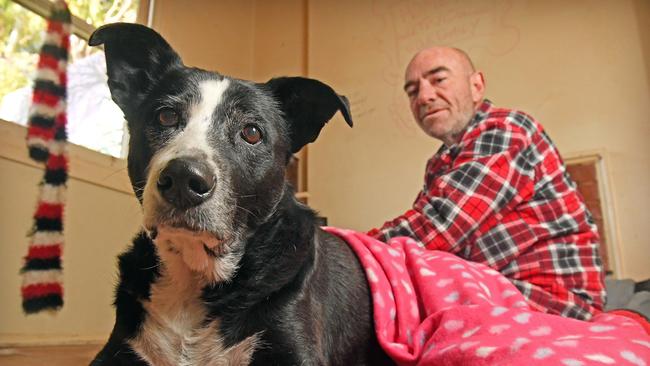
(84, 164)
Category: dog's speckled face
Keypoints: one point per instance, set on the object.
(218, 151)
(207, 153)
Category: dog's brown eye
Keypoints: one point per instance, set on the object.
(168, 117)
(251, 134)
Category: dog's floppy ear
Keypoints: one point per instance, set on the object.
(307, 104)
(136, 57)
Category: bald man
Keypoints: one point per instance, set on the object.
(497, 191)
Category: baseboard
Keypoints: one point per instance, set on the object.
(31, 340)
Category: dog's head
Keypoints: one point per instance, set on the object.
(207, 153)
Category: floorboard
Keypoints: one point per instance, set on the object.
(48, 355)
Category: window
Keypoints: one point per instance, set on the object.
(94, 121)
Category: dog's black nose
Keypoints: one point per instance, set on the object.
(186, 182)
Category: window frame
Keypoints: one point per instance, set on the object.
(600, 159)
(85, 165)
(42, 8)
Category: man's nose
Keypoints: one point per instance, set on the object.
(426, 93)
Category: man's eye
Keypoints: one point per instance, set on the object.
(168, 117)
(251, 134)
(440, 80)
(411, 93)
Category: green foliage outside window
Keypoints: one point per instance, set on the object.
(21, 35)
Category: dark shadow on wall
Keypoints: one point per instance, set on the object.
(642, 11)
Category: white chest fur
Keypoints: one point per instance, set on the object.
(175, 332)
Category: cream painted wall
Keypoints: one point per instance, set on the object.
(249, 39)
(99, 223)
(279, 40)
(579, 67)
(212, 35)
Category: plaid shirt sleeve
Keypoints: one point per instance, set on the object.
(501, 197)
(490, 174)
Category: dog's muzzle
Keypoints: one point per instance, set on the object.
(186, 183)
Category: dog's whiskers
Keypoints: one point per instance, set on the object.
(245, 195)
(151, 267)
(247, 210)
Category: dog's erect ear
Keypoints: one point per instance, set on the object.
(136, 57)
(307, 104)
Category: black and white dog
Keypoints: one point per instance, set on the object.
(231, 269)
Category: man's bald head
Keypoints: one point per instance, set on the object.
(444, 91)
(465, 57)
(452, 54)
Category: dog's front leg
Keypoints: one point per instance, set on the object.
(117, 351)
(117, 356)
(138, 267)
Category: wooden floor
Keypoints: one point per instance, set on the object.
(48, 355)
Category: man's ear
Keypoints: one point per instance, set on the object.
(136, 58)
(477, 84)
(307, 104)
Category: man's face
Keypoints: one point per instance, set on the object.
(443, 92)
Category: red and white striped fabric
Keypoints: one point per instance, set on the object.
(47, 142)
(434, 308)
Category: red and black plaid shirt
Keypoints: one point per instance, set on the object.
(502, 197)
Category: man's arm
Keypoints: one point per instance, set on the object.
(493, 172)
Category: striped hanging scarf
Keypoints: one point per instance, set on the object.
(46, 139)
